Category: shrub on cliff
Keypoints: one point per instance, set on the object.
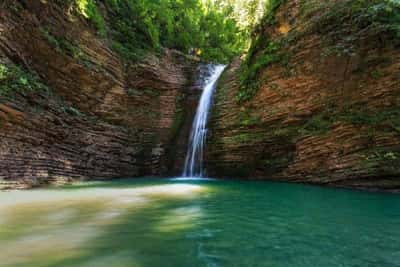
(89, 10)
(14, 79)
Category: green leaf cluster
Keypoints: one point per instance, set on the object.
(249, 82)
(89, 10)
(263, 52)
(205, 28)
(14, 79)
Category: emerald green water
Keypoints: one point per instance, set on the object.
(198, 223)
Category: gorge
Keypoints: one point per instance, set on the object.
(315, 101)
(199, 133)
(85, 113)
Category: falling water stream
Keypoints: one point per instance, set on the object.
(194, 156)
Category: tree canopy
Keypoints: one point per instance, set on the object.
(216, 30)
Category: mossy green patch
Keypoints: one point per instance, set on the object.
(14, 79)
(384, 160)
(317, 125)
(263, 52)
(65, 46)
(249, 83)
(245, 138)
(379, 18)
(247, 118)
(149, 92)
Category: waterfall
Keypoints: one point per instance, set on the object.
(194, 156)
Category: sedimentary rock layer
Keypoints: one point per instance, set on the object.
(102, 117)
(326, 110)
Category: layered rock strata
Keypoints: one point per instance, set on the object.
(100, 116)
(327, 107)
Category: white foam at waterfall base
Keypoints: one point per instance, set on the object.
(194, 156)
(192, 179)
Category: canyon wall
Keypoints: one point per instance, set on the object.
(326, 103)
(316, 100)
(78, 110)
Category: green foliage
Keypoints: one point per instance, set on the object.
(90, 11)
(249, 83)
(358, 116)
(344, 25)
(138, 26)
(386, 160)
(376, 17)
(262, 53)
(52, 40)
(67, 47)
(14, 79)
(269, 16)
(363, 116)
(149, 92)
(247, 13)
(247, 118)
(317, 125)
(245, 138)
(360, 17)
(71, 111)
(131, 29)
(385, 155)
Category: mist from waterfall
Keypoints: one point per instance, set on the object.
(194, 156)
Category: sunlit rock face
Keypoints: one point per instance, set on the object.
(102, 117)
(326, 112)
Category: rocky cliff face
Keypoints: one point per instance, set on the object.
(76, 109)
(317, 100)
(322, 106)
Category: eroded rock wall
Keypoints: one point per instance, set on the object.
(326, 112)
(101, 117)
